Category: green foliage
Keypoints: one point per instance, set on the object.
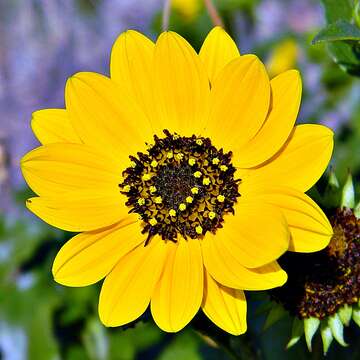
(342, 34)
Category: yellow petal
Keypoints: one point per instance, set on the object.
(224, 306)
(131, 67)
(181, 85)
(90, 256)
(284, 108)
(217, 50)
(80, 210)
(240, 99)
(225, 268)
(256, 235)
(126, 291)
(178, 294)
(105, 117)
(53, 126)
(57, 168)
(309, 227)
(299, 164)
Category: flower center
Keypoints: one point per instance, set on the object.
(320, 283)
(181, 185)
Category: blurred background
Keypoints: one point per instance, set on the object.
(42, 43)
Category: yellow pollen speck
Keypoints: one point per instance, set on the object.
(182, 207)
(121, 181)
(127, 188)
(158, 200)
(141, 201)
(206, 181)
(215, 161)
(154, 163)
(132, 164)
(194, 190)
(199, 229)
(192, 162)
(179, 156)
(172, 212)
(212, 215)
(175, 136)
(152, 189)
(189, 199)
(220, 198)
(223, 167)
(170, 155)
(199, 141)
(197, 174)
(146, 177)
(153, 222)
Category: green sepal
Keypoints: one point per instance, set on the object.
(310, 327)
(356, 315)
(357, 210)
(348, 193)
(326, 336)
(333, 180)
(275, 314)
(337, 329)
(296, 332)
(345, 313)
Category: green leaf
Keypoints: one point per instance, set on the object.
(348, 193)
(346, 56)
(275, 314)
(296, 332)
(326, 336)
(341, 30)
(338, 9)
(345, 314)
(337, 329)
(310, 326)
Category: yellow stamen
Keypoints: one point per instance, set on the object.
(172, 212)
(152, 189)
(192, 162)
(175, 136)
(215, 161)
(182, 207)
(211, 215)
(199, 141)
(153, 222)
(223, 167)
(170, 155)
(189, 199)
(206, 181)
(154, 163)
(141, 201)
(179, 156)
(158, 200)
(146, 177)
(127, 188)
(194, 190)
(197, 174)
(199, 229)
(220, 198)
(132, 164)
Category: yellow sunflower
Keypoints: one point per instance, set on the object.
(185, 176)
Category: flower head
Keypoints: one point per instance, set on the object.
(201, 214)
(323, 288)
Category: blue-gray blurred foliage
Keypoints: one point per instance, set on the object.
(42, 43)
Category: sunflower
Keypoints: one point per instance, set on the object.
(323, 289)
(185, 177)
